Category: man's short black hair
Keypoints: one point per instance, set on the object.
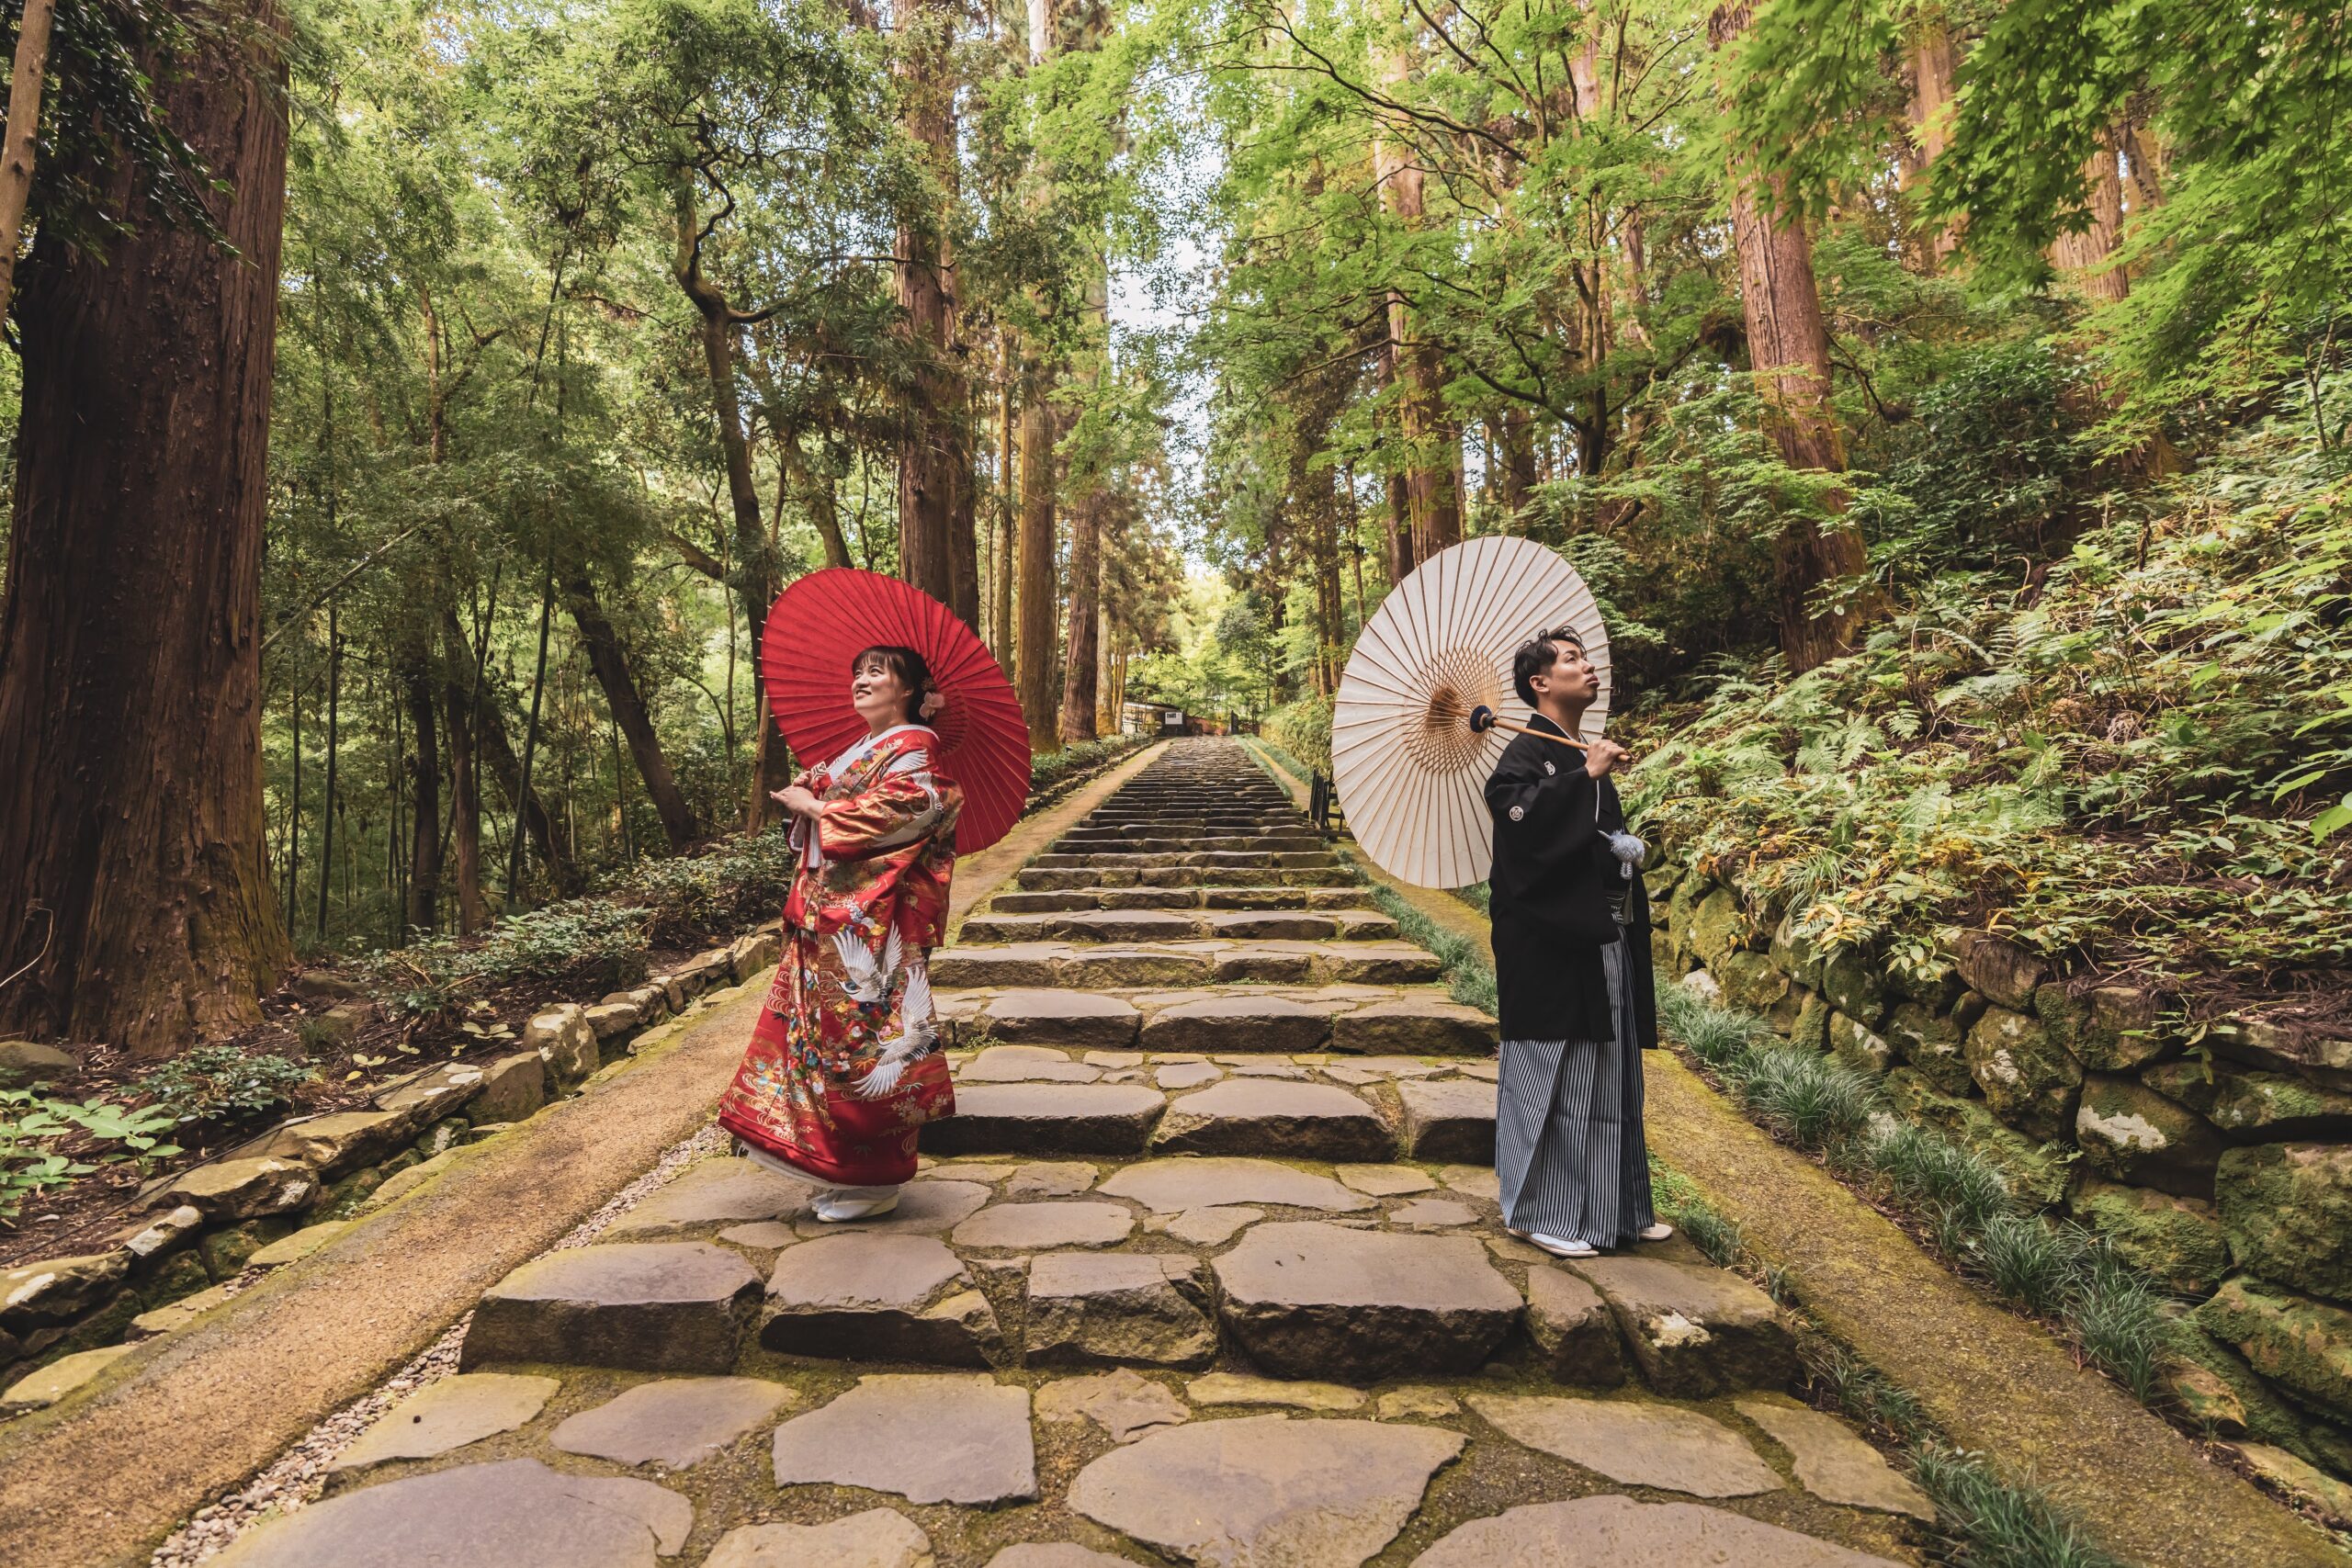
(1535, 657)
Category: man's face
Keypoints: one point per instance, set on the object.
(1571, 679)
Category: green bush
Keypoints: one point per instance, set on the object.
(696, 899)
(1303, 728)
(1052, 768)
(222, 1083)
(585, 943)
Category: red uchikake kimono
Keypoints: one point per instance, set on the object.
(841, 1068)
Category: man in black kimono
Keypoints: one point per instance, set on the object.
(1572, 966)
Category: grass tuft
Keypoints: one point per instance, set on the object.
(2118, 1317)
(1815, 1102)
(1997, 1523)
(2034, 1263)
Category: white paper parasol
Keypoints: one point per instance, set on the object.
(1408, 767)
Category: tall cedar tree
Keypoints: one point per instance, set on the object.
(139, 909)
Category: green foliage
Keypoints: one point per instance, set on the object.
(1054, 767)
(28, 1125)
(222, 1083)
(1815, 1101)
(32, 1125)
(584, 943)
(2030, 1262)
(2138, 764)
(1677, 1201)
(690, 900)
(1303, 729)
(1999, 1523)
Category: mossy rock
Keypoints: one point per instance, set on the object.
(1751, 980)
(2029, 1077)
(1855, 985)
(1933, 982)
(1931, 1041)
(225, 1251)
(2219, 1391)
(2255, 1105)
(181, 1274)
(2118, 1030)
(342, 1199)
(2036, 1173)
(1853, 1044)
(108, 1325)
(2132, 1133)
(2177, 1239)
(2304, 1345)
(1799, 953)
(1810, 1028)
(1718, 928)
(2287, 1209)
(2000, 970)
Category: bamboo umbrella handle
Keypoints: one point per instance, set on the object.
(1483, 718)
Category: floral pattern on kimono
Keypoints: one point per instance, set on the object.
(841, 1072)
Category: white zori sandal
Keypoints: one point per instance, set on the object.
(856, 1203)
(1556, 1246)
(1658, 1232)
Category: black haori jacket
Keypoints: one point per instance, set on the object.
(1549, 897)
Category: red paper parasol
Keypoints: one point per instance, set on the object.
(820, 621)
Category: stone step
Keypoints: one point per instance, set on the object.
(1359, 1020)
(1172, 963)
(1170, 925)
(1257, 1116)
(1062, 878)
(1315, 1300)
(1240, 859)
(1350, 1273)
(1053, 901)
(1165, 839)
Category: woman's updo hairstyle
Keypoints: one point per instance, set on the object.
(909, 669)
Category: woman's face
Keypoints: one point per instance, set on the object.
(877, 694)
(1571, 678)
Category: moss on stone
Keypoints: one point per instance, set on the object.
(2036, 1173)
(2303, 1343)
(2029, 1077)
(2287, 1209)
(2177, 1240)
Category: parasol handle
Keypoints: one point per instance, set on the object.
(1483, 718)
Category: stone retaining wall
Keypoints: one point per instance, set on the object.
(281, 1195)
(2218, 1158)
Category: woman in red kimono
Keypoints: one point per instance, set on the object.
(842, 1068)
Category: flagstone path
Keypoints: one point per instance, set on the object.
(1208, 1269)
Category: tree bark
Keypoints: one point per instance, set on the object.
(610, 664)
(458, 675)
(1082, 645)
(1039, 590)
(133, 892)
(2084, 257)
(1008, 455)
(22, 137)
(1432, 497)
(424, 764)
(754, 563)
(1935, 61)
(935, 453)
(334, 747)
(1788, 348)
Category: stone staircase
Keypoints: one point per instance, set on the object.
(1220, 1130)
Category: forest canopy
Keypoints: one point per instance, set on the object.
(1158, 340)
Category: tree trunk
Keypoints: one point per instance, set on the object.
(334, 747)
(1433, 440)
(2086, 256)
(1039, 590)
(755, 562)
(610, 664)
(1935, 60)
(1787, 348)
(133, 892)
(497, 754)
(1000, 579)
(423, 908)
(1081, 648)
(935, 454)
(458, 675)
(22, 137)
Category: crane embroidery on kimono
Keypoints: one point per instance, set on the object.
(869, 983)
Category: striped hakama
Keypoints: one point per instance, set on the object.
(1569, 1153)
